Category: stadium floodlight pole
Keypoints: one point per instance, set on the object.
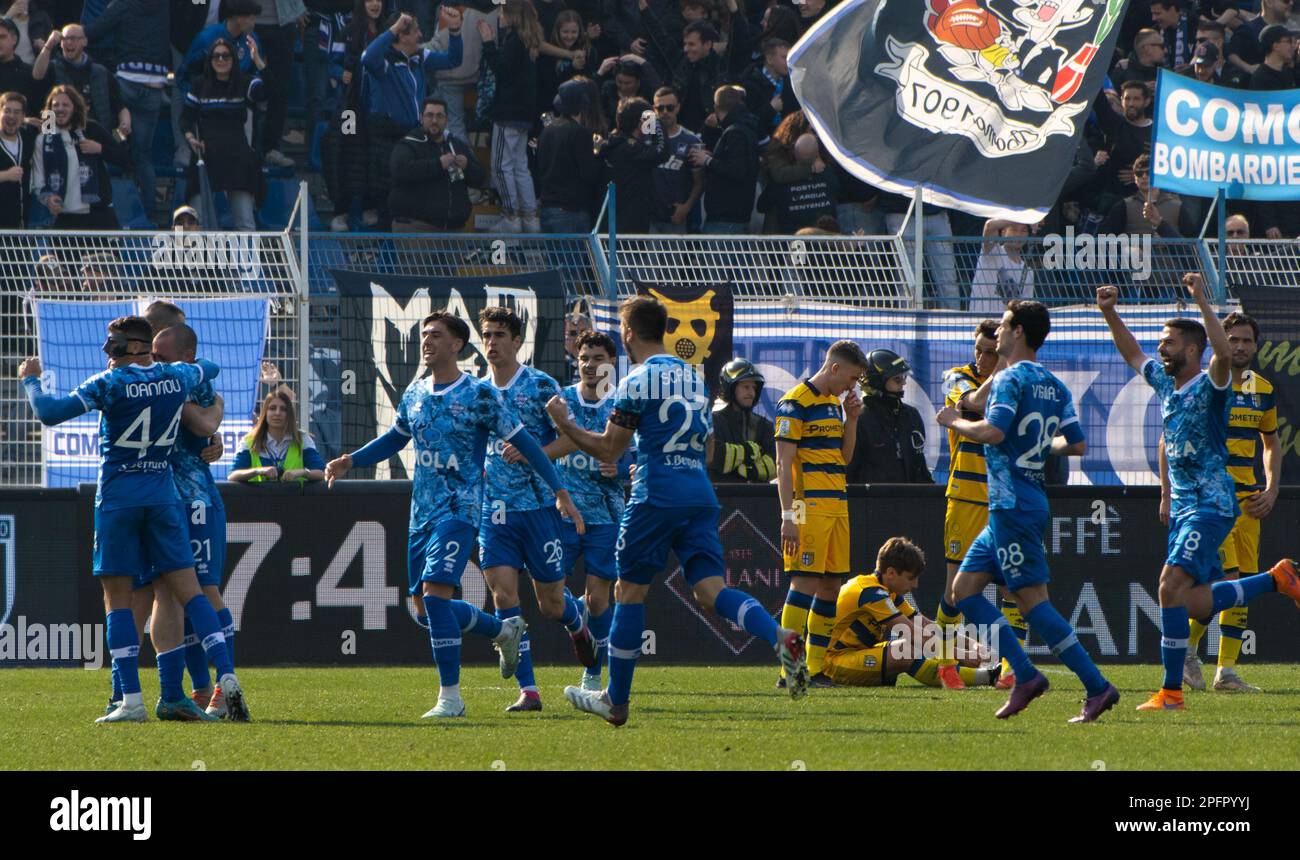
(304, 309)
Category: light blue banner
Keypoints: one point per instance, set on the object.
(231, 333)
(1209, 138)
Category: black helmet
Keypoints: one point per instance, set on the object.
(739, 370)
(882, 366)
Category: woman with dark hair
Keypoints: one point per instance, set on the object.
(216, 109)
(68, 171)
(631, 155)
(348, 166)
(277, 449)
(779, 22)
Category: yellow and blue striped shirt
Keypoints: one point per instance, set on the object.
(1253, 410)
(864, 612)
(815, 423)
(968, 479)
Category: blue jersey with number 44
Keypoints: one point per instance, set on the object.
(670, 403)
(1030, 406)
(140, 418)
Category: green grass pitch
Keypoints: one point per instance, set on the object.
(683, 718)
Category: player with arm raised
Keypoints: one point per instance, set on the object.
(140, 528)
(1029, 414)
(665, 404)
(520, 528)
(596, 487)
(451, 415)
(1203, 507)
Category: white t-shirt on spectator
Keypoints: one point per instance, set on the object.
(998, 279)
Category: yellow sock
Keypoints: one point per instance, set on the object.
(1198, 633)
(820, 623)
(970, 676)
(947, 625)
(1011, 612)
(928, 674)
(1231, 621)
(794, 615)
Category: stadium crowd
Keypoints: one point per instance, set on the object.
(421, 117)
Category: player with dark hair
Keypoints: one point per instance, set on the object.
(597, 489)
(451, 415)
(1196, 406)
(967, 511)
(665, 405)
(521, 529)
(1029, 414)
(1252, 424)
(140, 529)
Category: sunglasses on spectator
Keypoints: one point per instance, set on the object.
(223, 56)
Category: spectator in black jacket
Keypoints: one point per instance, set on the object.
(768, 93)
(17, 143)
(1126, 136)
(140, 30)
(15, 75)
(1148, 56)
(625, 77)
(1175, 27)
(1209, 67)
(744, 442)
(78, 200)
(730, 163)
(514, 110)
(69, 64)
(800, 203)
(891, 434)
(631, 155)
(1243, 48)
(1277, 70)
(567, 167)
(696, 70)
(432, 174)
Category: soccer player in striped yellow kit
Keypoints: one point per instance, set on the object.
(968, 495)
(872, 610)
(814, 442)
(1252, 424)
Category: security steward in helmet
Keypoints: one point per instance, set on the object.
(891, 434)
(744, 443)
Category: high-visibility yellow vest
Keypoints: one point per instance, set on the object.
(292, 459)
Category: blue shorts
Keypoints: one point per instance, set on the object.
(208, 541)
(438, 554)
(1194, 541)
(142, 542)
(596, 546)
(1010, 548)
(647, 533)
(527, 540)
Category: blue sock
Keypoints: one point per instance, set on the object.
(471, 619)
(208, 629)
(747, 613)
(600, 632)
(196, 660)
(227, 622)
(625, 647)
(116, 676)
(1228, 593)
(1060, 637)
(1175, 630)
(444, 636)
(171, 672)
(978, 610)
(124, 645)
(524, 674)
(572, 617)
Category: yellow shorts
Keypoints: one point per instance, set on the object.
(1240, 548)
(857, 667)
(823, 548)
(962, 523)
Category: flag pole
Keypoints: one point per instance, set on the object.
(1221, 202)
(918, 265)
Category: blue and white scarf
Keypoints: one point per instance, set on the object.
(55, 158)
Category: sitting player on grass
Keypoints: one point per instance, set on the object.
(874, 637)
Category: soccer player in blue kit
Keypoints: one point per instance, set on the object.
(1195, 405)
(451, 415)
(140, 523)
(597, 488)
(1029, 414)
(521, 528)
(665, 404)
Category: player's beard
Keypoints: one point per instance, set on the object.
(1174, 364)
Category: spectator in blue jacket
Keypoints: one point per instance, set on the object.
(393, 69)
(141, 34)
